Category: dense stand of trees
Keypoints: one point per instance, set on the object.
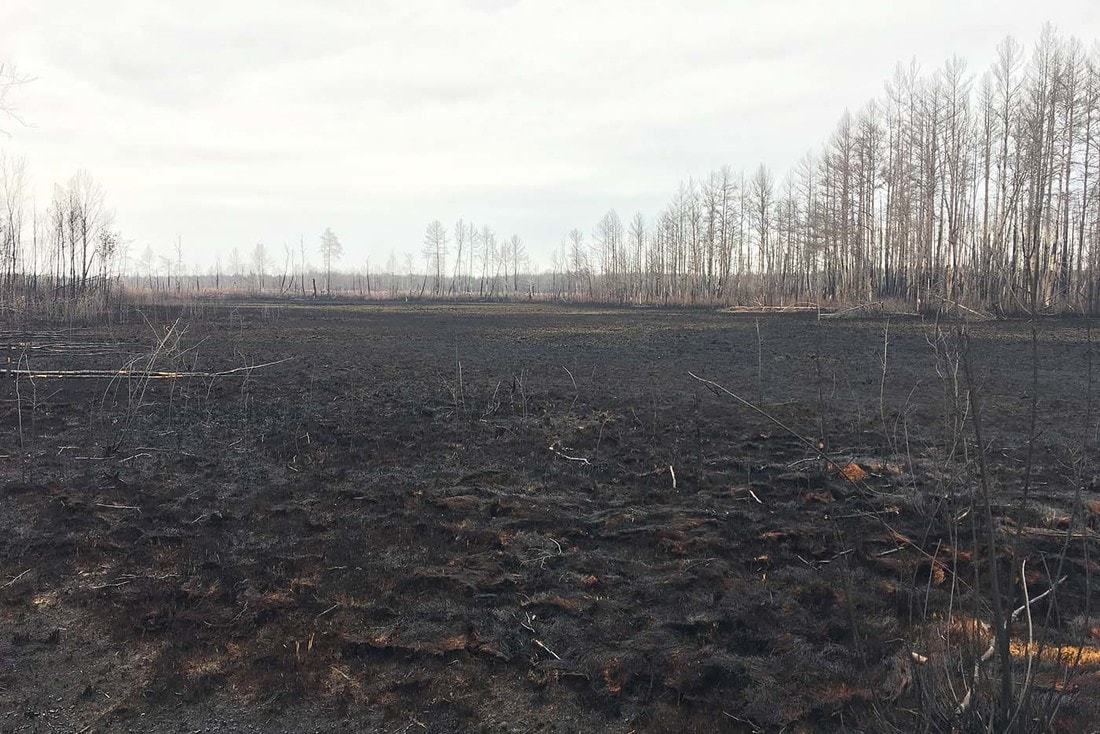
(483, 264)
(67, 254)
(979, 190)
(64, 258)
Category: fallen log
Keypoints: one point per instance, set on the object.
(141, 374)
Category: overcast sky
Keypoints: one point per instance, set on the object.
(237, 121)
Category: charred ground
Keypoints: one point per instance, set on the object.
(515, 518)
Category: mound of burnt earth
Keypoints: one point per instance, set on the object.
(503, 518)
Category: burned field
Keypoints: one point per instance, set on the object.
(516, 518)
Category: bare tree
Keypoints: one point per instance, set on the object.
(260, 262)
(518, 255)
(435, 253)
(10, 78)
(331, 250)
(460, 242)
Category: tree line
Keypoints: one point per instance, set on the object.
(464, 261)
(950, 187)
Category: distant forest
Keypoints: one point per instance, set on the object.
(953, 188)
